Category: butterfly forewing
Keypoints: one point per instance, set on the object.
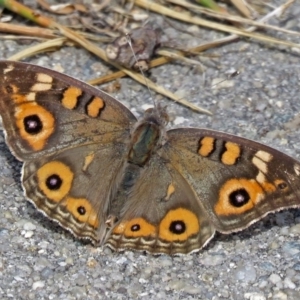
(44, 111)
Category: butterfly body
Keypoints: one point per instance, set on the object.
(90, 165)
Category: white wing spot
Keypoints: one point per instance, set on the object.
(261, 178)
(265, 156)
(30, 96)
(41, 87)
(297, 169)
(8, 69)
(41, 77)
(261, 165)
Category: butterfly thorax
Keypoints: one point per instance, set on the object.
(147, 136)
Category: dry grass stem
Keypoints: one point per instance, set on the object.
(155, 7)
(27, 30)
(240, 5)
(51, 45)
(232, 18)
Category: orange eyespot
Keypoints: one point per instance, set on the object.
(55, 180)
(35, 123)
(281, 185)
(238, 196)
(178, 225)
(137, 227)
(82, 210)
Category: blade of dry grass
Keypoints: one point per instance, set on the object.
(240, 5)
(236, 19)
(27, 30)
(212, 5)
(26, 12)
(179, 56)
(51, 45)
(62, 9)
(155, 7)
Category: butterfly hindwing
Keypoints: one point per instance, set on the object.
(162, 217)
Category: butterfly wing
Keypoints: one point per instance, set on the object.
(238, 181)
(72, 138)
(201, 181)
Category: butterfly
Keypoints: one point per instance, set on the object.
(91, 166)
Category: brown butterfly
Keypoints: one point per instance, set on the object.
(90, 165)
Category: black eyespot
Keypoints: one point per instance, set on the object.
(282, 185)
(33, 124)
(81, 210)
(177, 227)
(239, 198)
(135, 227)
(54, 182)
(9, 89)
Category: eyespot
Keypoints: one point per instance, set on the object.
(237, 196)
(137, 227)
(281, 185)
(9, 89)
(55, 180)
(178, 225)
(82, 210)
(35, 124)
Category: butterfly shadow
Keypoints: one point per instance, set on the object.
(280, 219)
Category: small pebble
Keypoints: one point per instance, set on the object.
(38, 285)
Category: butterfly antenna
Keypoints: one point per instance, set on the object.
(140, 68)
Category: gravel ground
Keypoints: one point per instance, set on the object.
(39, 260)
